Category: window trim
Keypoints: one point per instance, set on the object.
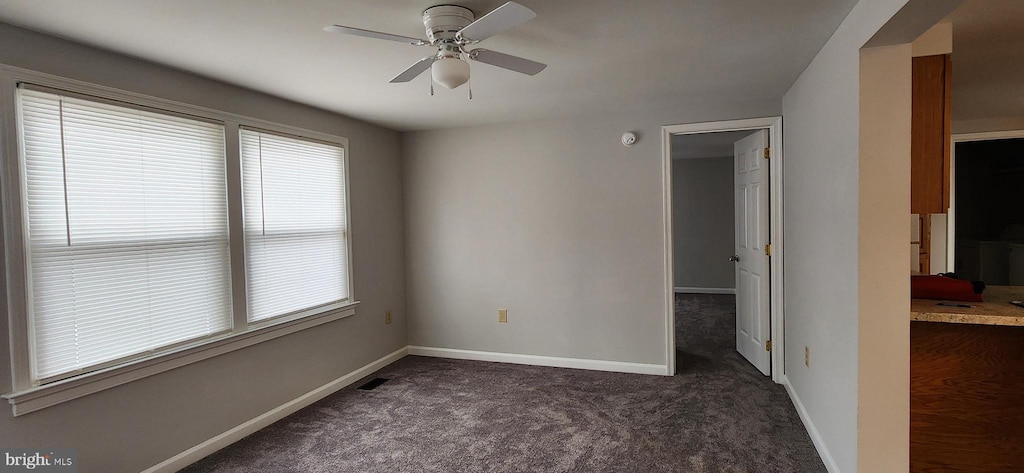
(40, 397)
(27, 397)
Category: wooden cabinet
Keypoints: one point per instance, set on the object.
(930, 129)
(966, 398)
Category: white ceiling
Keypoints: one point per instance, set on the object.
(603, 55)
(988, 60)
(706, 145)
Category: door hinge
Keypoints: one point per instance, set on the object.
(767, 345)
(768, 249)
(767, 152)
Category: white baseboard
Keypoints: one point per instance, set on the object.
(210, 446)
(819, 443)
(706, 290)
(538, 360)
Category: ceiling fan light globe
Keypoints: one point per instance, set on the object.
(450, 72)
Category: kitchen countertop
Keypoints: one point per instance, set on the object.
(996, 310)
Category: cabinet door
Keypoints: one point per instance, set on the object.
(930, 128)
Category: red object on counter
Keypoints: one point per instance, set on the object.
(943, 288)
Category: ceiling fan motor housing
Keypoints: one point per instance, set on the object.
(443, 21)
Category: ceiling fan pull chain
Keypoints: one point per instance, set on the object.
(431, 86)
(469, 80)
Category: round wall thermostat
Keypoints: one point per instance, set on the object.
(629, 138)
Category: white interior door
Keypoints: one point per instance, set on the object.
(753, 316)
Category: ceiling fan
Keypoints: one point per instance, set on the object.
(451, 29)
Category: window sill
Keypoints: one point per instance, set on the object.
(40, 397)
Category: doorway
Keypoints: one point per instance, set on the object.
(756, 255)
(985, 236)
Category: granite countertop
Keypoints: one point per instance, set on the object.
(996, 310)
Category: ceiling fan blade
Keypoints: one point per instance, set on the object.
(498, 20)
(414, 70)
(375, 34)
(506, 61)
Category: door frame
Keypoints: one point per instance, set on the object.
(951, 211)
(775, 210)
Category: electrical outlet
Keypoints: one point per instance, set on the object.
(502, 316)
(807, 356)
(387, 318)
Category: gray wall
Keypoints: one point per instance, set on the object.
(553, 220)
(134, 426)
(822, 198)
(703, 223)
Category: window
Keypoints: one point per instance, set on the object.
(295, 224)
(145, 234)
(127, 231)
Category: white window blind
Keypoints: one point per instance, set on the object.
(296, 237)
(127, 231)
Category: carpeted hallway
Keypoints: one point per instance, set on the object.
(718, 414)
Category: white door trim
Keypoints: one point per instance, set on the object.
(951, 216)
(774, 127)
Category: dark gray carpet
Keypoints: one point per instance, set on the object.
(718, 414)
